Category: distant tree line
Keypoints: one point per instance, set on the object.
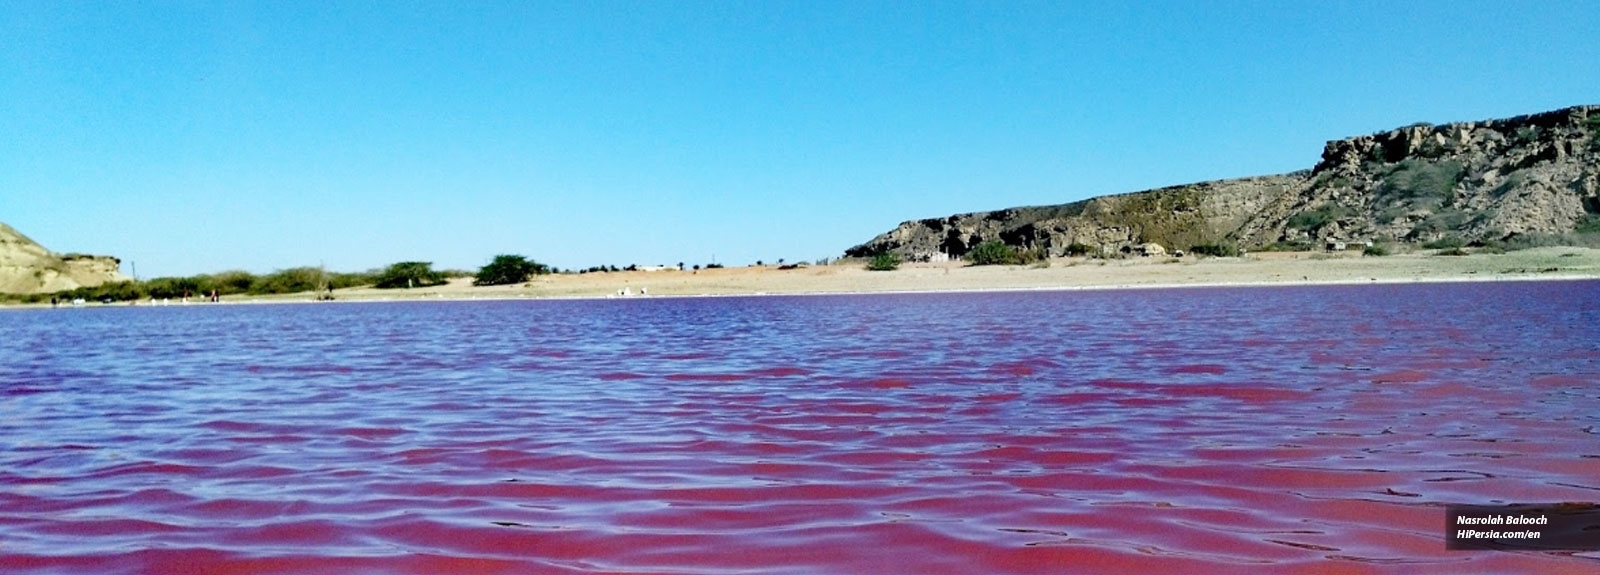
(504, 269)
(239, 282)
(509, 269)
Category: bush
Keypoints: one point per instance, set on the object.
(1077, 249)
(1292, 246)
(233, 282)
(1375, 250)
(227, 283)
(1440, 222)
(118, 291)
(343, 280)
(1445, 243)
(1420, 183)
(1314, 219)
(993, 253)
(409, 274)
(884, 262)
(1220, 249)
(1590, 224)
(292, 280)
(1453, 252)
(1528, 241)
(171, 287)
(508, 269)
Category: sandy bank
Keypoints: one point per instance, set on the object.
(1064, 273)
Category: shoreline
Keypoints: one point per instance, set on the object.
(1273, 269)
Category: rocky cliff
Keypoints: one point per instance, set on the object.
(1530, 176)
(27, 267)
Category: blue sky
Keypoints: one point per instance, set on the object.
(197, 137)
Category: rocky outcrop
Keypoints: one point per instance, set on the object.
(1179, 216)
(1475, 181)
(27, 267)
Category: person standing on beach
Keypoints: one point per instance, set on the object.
(55, 302)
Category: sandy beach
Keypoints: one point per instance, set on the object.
(1268, 268)
(850, 276)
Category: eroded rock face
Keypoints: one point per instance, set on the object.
(27, 267)
(1476, 181)
(1179, 216)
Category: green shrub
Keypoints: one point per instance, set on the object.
(1529, 241)
(1392, 213)
(508, 269)
(1375, 250)
(292, 280)
(1452, 252)
(1447, 242)
(1220, 249)
(1314, 219)
(1289, 246)
(227, 283)
(1034, 255)
(1440, 222)
(1329, 180)
(884, 262)
(116, 291)
(1420, 183)
(343, 280)
(167, 287)
(409, 274)
(1590, 224)
(994, 253)
(1077, 249)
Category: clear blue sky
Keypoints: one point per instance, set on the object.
(202, 136)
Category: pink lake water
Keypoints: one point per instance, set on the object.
(1284, 430)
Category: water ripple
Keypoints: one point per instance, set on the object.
(1195, 430)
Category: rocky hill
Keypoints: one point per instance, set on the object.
(1528, 178)
(27, 267)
